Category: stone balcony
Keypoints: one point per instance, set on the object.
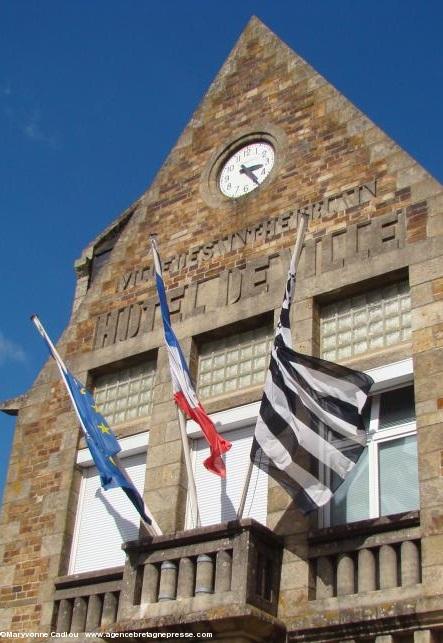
(362, 573)
(352, 560)
(223, 579)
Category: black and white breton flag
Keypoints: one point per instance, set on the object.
(309, 432)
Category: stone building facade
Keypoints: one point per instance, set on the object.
(369, 295)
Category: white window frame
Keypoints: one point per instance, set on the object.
(386, 378)
(130, 445)
(225, 421)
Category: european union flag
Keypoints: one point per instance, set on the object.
(101, 441)
(102, 444)
(97, 428)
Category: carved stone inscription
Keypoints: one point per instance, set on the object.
(263, 276)
(261, 232)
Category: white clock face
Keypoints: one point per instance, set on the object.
(245, 170)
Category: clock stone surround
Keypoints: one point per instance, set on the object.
(265, 132)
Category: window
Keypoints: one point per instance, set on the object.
(218, 499)
(125, 394)
(385, 480)
(234, 362)
(371, 321)
(106, 519)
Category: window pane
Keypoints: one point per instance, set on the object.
(373, 320)
(351, 500)
(234, 362)
(397, 407)
(128, 393)
(398, 475)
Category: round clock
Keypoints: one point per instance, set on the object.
(246, 169)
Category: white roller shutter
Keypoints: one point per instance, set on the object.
(218, 499)
(105, 519)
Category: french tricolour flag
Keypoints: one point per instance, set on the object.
(184, 393)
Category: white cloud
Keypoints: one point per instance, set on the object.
(10, 351)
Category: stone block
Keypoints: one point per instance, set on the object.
(428, 388)
(423, 408)
(51, 544)
(168, 475)
(7, 575)
(429, 465)
(430, 438)
(294, 576)
(381, 150)
(292, 602)
(17, 490)
(303, 310)
(288, 521)
(278, 499)
(428, 315)
(432, 550)
(54, 502)
(169, 519)
(435, 204)
(172, 432)
(432, 580)
(425, 271)
(162, 393)
(410, 175)
(435, 226)
(428, 363)
(163, 412)
(422, 340)
(6, 614)
(425, 189)
(302, 331)
(431, 520)
(46, 614)
(431, 492)
(421, 294)
(159, 456)
(427, 419)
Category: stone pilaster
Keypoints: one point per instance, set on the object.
(166, 481)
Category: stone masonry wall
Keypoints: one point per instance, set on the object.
(328, 151)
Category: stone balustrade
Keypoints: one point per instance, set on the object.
(232, 566)
(231, 572)
(376, 555)
(85, 602)
(237, 562)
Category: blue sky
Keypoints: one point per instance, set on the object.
(93, 94)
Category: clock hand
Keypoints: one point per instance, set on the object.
(253, 168)
(249, 174)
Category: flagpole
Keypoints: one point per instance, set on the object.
(180, 415)
(293, 269)
(61, 366)
(191, 480)
(154, 528)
